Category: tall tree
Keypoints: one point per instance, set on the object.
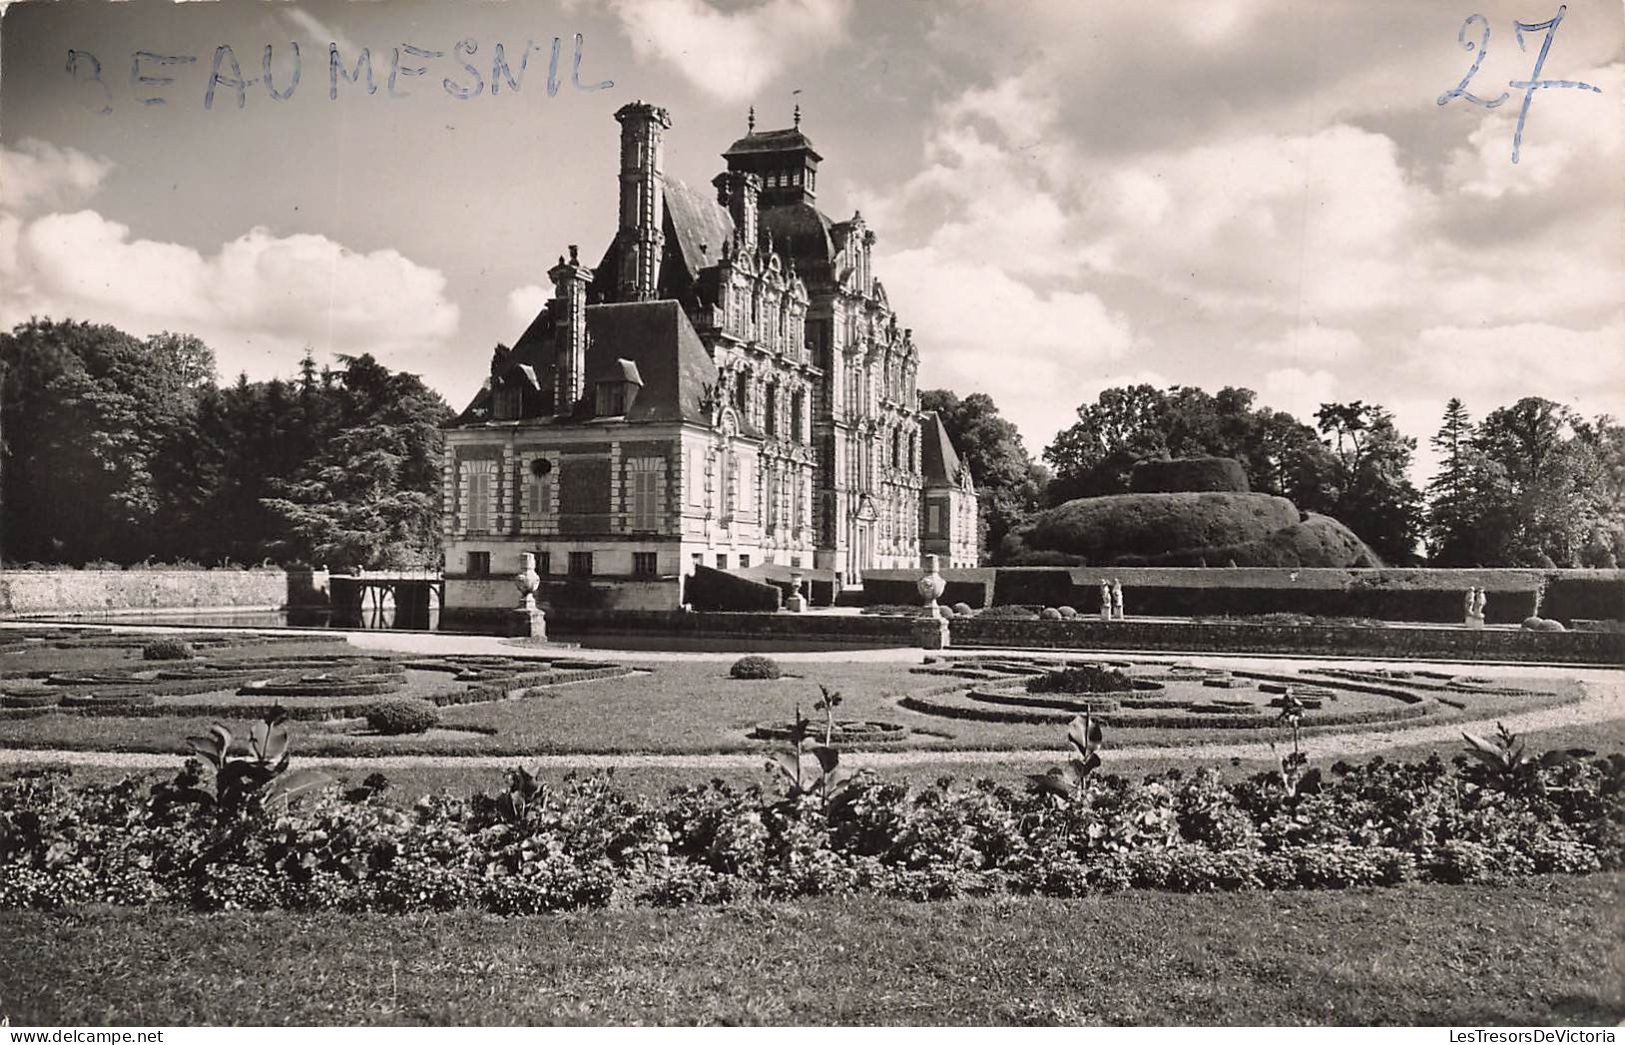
(1008, 484)
(1546, 482)
(1451, 514)
(370, 495)
(91, 415)
(1371, 492)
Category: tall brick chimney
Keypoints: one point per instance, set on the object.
(740, 192)
(570, 279)
(641, 237)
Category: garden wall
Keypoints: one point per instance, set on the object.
(1573, 647)
(134, 591)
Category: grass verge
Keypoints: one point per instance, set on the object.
(1545, 951)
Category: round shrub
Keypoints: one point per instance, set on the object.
(1066, 612)
(1050, 613)
(395, 718)
(1189, 475)
(1542, 624)
(962, 609)
(168, 649)
(755, 667)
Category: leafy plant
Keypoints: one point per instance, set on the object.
(790, 765)
(1295, 765)
(247, 768)
(1086, 738)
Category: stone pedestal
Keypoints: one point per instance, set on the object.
(931, 632)
(525, 623)
(796, 603)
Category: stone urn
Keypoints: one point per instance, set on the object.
(796, 603)
(932, 585)
(527, 581)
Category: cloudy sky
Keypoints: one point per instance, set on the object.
(1068, 195)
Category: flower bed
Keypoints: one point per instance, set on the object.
(585, 844)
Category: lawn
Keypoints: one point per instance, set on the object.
(692, 707)
(1544, 951)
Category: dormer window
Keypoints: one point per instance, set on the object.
(615, 393)
(506, 403)
(611, 399)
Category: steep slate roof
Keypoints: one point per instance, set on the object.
(939, 461)
(647, 342)
(788, 140)
(802, 232)
(697, 220)
(659, 341)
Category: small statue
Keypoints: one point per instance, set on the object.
(1467, 599)
(1117, 600)
(1105, 601)
(1480, 598)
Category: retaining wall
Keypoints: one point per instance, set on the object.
(113, 591)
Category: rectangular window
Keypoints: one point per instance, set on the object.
(744, 562)
(476, 495)
(645, 564)
(933, 519)
(479, 564)
(643, 480)
(541, 495)
(581, 564)
(795, 562)
(544, 563)
(722, 562)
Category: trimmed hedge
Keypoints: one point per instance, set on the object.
(1584, 594)
(973, 587)
(394, 718)
(708, 589)
(1188, 475)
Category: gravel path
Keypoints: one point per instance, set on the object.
(1604, 700)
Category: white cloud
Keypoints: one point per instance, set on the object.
(1312, 343)
(981, 330)
(1292, 224)
(524, 302)
(1489, 367)
(257, 301)
(37, 174)
(731, 55)
(1299, 392)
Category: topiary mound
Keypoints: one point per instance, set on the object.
(1185, 529)
(395, 718)
(755, 667)
(1189, 475)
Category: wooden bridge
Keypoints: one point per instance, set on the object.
(393, 598)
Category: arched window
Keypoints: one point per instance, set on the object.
(770, 409)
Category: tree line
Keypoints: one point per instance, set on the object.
(119, 449)
(1532, 484)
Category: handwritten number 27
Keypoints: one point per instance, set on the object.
(1529, 86)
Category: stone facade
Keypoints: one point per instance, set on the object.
(728, 386)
